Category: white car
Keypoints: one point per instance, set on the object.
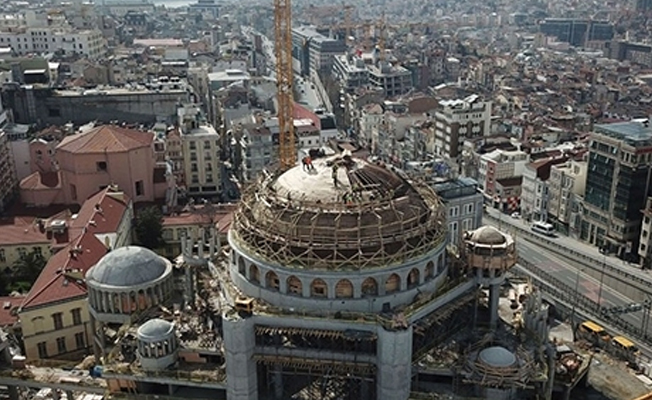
(516, 215)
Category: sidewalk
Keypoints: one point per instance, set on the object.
(592, 252)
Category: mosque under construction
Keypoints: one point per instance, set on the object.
(338, 281)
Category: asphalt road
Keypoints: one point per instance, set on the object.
(567, 271)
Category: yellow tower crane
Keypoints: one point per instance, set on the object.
(284, 82)
(381, 40)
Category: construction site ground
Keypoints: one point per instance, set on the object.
(614, 380)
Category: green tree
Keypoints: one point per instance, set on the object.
(149, 228)
(25, 271)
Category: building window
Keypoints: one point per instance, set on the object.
(42, 350)
(37, 250)
(76, 316)
(101, 166)
(21, 252)
(454, 211)
(452, 227)
(207, 144)
(192, 146)
(80, 343)
(195, 179)
(193, 167)
(209, 178)
(468, 208)
(140, 188)
(57, 318)
(61, 345)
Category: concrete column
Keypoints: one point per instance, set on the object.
(55, 394)
(278, 383)
(184, 244)
(69, 394)
(211, 244)
(394, 363)
(96, 349)
(239, 344)
(494, 296)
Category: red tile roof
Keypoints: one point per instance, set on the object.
(100, 213)
(41, 180)
(63, 275)
(221, 214)
(106, 139)
(8, 309)
(21, 230)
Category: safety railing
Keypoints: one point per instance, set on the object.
(564, 293)
(589, 261)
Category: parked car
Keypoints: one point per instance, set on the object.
(516, 215)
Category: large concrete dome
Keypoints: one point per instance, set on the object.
(345, 213)
(128, 266)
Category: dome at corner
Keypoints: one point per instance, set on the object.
(488, 235)
(498, 357)
(128, 266)
(155, 328)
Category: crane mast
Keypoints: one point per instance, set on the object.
(284, 82)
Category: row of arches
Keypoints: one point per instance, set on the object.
(114, 302)
(343, 288)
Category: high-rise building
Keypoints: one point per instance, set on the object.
(575, 31)
(617, 184)
(457, 120)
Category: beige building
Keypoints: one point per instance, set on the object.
(54, 315)
(19, 236)
(201, 154)
(566, 185)
(193, 222)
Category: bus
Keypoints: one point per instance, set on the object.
(593, 333)
(544, 228)
(624, 348)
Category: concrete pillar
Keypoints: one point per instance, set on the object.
(211, 244)
(96, 348)
(278, 383)
(239, 344)
(70, 395)
(494, 296)
(13, 392)
(394, 363)
(184, 244)
(55, 394)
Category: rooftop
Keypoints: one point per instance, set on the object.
(106, 139)
(456, 188)
(635, 133)
(21, 231)
(128, 266)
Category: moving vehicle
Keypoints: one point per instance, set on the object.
(618, 346)
(544, 228)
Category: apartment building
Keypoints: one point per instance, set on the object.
(201, 150)
(394, 80)
(617, 185)
(565, 189)
(464, 206)
(313, 50)
(645, 241)
(28, 40)
(8, 179)
(19, 236)
(351, 71)
(258, 149)
(535, 189)
(54, 315)
(458, 120)
(500, 164)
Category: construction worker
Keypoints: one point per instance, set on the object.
(335, 167)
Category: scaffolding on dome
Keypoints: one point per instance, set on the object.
(385, 221)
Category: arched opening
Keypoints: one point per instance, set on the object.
(318, 288)
(124, 304)
(133, 301)
(430, 270)
(271, 280)
(242, 269)
(370, 287)
(344, 289)
(294, 285)
(254, 274)
(393, 284)
(413, 278)
(142, 300)
(117, 303)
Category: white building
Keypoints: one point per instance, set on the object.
(200, 148)
(565, 187)
(457, 120)
(23, 41)
(350, 71)
(497, 165)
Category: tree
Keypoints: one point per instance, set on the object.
(149, 228)
(25, 271)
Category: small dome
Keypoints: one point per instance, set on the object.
(488, 235)
(155, 329)
(497, 357)
(128, 266)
